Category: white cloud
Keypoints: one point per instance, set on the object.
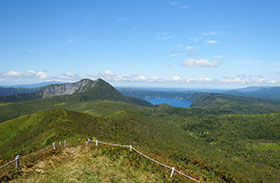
(41, 75)
(200, 63)
(12, 73)
(16, 77)
(29, 73)
(163, 36)
(219, 56)
(176, 78)
(109, 73)
(211, 41)
(212, 33)
(177, 54)
(202, 79)
(69, 76)
(12, 77)
(189, 47)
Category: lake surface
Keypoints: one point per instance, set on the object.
(173, 102)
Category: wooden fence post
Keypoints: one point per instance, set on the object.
(54, 148)
(172, 172)
(65, 143)
(17, 161)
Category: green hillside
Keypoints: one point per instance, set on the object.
(221, 138)
(228, 104)
(215, 147)
(87, 163)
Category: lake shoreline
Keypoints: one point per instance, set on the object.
(173, 102)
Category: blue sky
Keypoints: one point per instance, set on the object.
(180, 43)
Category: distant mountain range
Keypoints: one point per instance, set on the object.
(220, 138)
(83, 90)
(259, 92)
(35, 85)
(20, 89)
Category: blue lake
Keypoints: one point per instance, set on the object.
(173, 102)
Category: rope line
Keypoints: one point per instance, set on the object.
(128, 146)
(106, 143)
(151, 159)
(25, 156)
(111, 144)
(186, 175)
(7, 164)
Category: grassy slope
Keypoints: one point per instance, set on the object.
(87, 163)
(122, 127)
(215, 143)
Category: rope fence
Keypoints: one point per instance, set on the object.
(54, 147)
(18, 157)
(142, 154)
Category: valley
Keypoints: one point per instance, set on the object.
(219, 138)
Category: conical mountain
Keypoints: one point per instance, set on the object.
(83, 90)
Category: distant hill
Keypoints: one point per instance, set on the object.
(273, 93)
(252, 88)
(225, 104)
(83, 90)
(13, 91)
(35, 85)
(260, 92)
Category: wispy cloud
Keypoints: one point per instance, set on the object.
(178, 5)
(17, 77)
(193, 53)
(211, 41)
(184, 7)
(248, 61)
(122, 19)
(72, 39)
(196, 39)
(69, 76)
(163, 36)
(219, 56)
(200, 63)
(177, 54)
(14, 75)
(212, 33)
(189, 47)
(172, 3)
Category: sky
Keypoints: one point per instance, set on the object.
(152, 43)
